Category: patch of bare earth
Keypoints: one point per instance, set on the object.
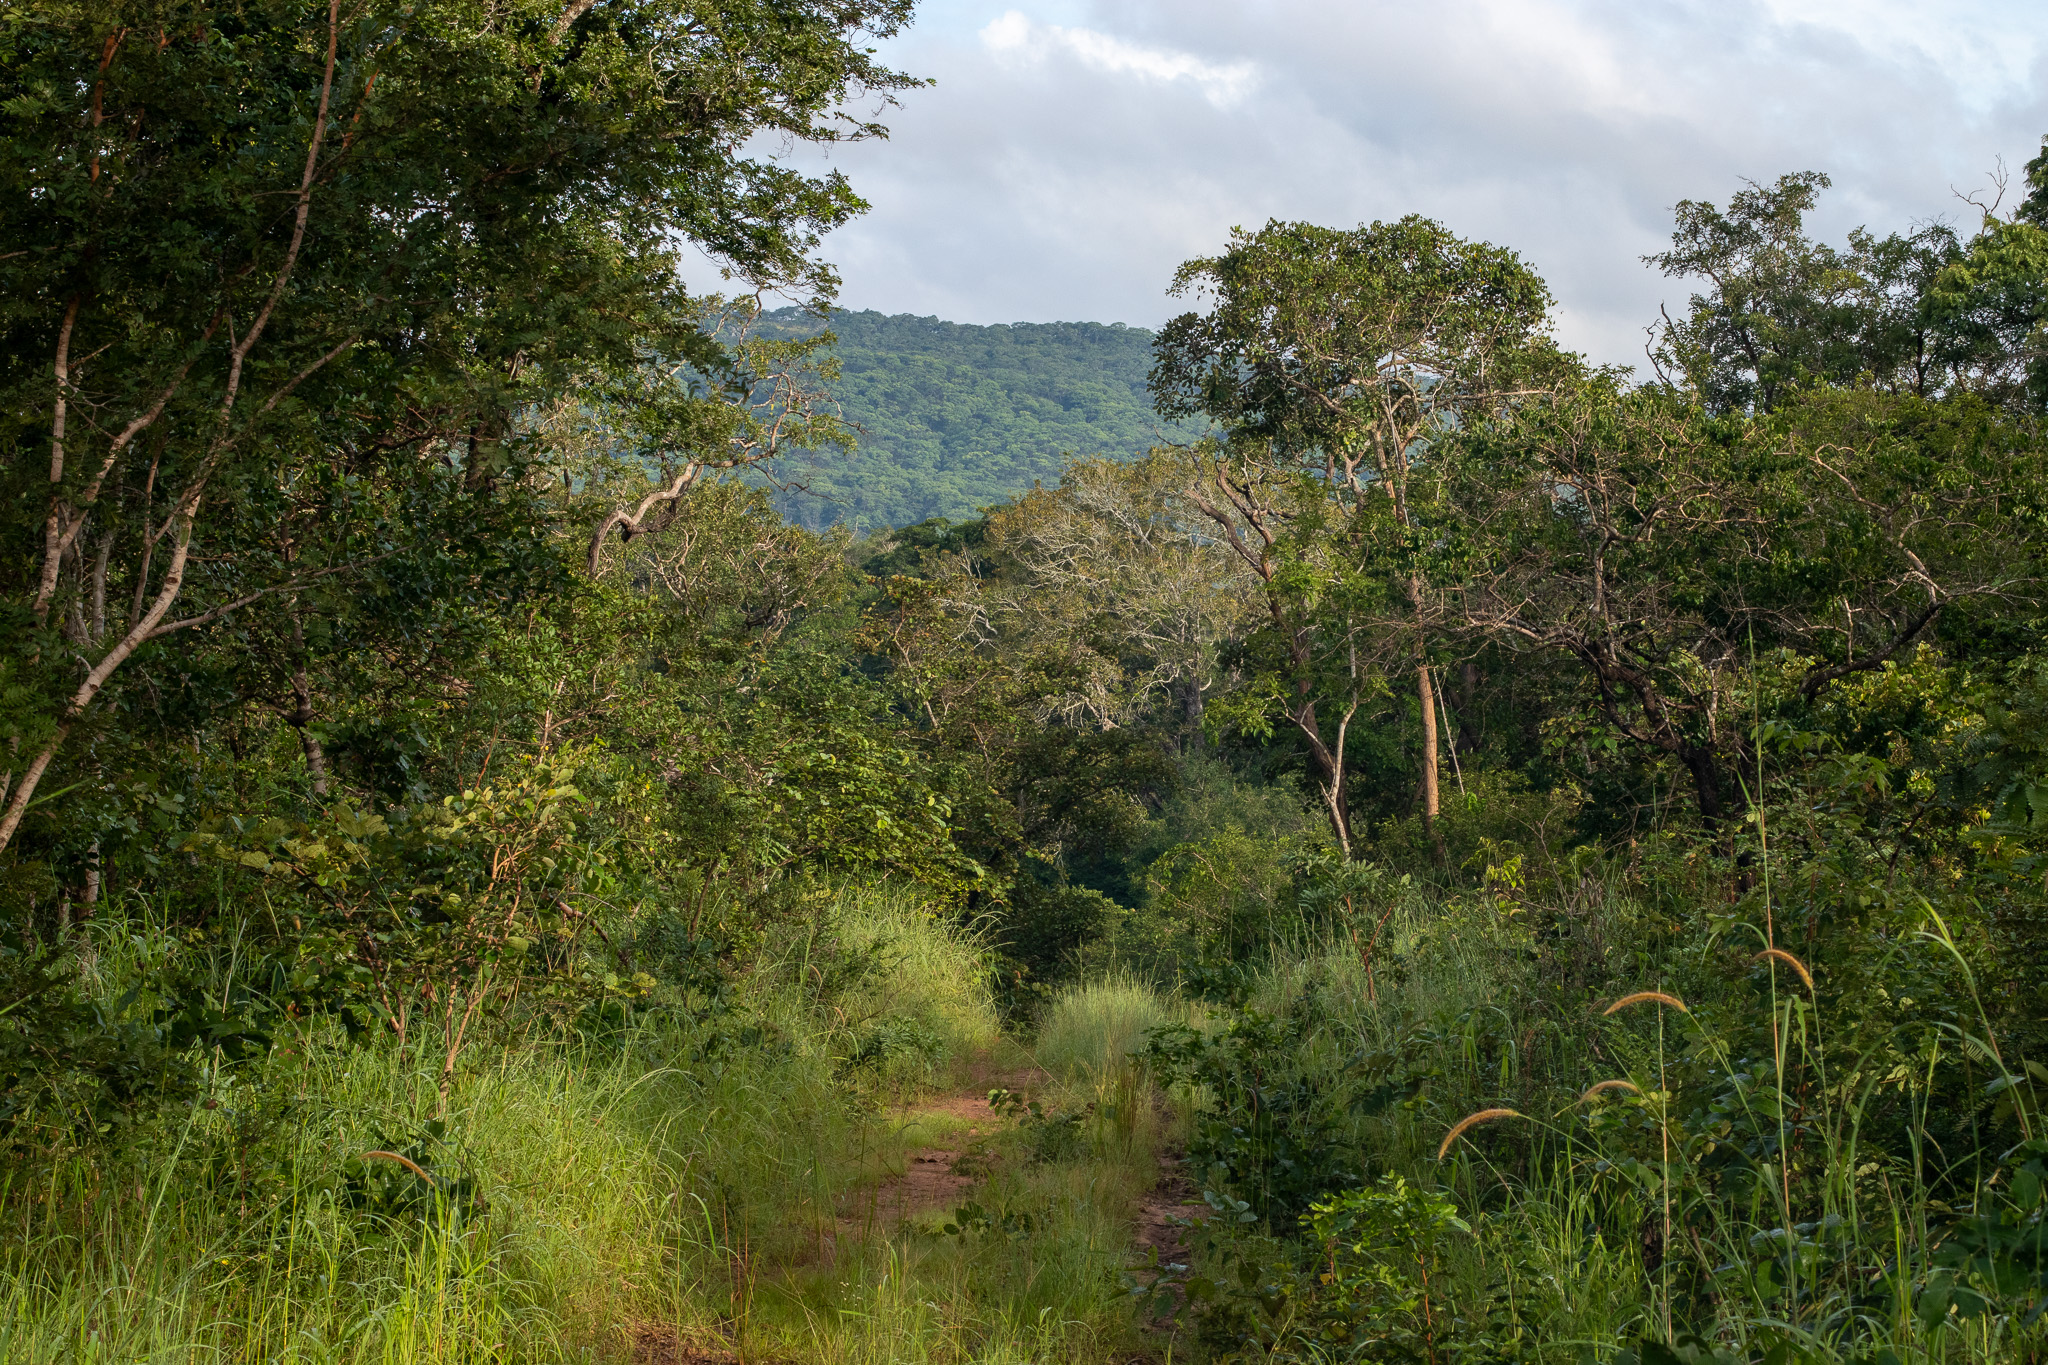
(665, 1346)
(1165, 1216)
(1167, 1212)
(938, 1178)
(933, 1179)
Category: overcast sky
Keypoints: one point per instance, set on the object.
(1073, 153)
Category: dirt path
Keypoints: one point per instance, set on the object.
(664, 1346)
(1166, 1212)
(938, 1178)
(934, 1179)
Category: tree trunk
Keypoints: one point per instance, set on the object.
(1330, 768)
(1337, 798)
(1468, 707)
(1427, 694)
(99, 586)
(174, 578)
(302, 721)
(1706, 780)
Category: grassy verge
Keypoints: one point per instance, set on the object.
(1094, 1028)
(728, 1183)
(1723, 1152)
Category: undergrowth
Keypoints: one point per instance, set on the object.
(1507, 1135)
(1093, 1027)
(689, 1169)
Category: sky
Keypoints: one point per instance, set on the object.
(1071, 154)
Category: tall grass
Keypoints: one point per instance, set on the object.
(585, 1186)
(1093, 1028)
(922, 970)
(162, 1253)
(1735, 1187)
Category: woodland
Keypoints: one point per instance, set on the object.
(949, 418)
(1433, 851)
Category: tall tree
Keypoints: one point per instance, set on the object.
(1993, 299)
(1665, 550)
(283, 277)
(1781, 311)
(1119, 572)
(1343, 355)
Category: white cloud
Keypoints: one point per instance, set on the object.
(1075, 151)
(1012, 35)
(1989, 47)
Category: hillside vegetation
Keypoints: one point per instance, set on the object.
(1480, 860)
(953, 417)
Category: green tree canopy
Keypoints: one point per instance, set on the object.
(284, 278)
(1335, 360)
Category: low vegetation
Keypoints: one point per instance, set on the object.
(686, 1175)
(1095, 1027)
(1480, 858)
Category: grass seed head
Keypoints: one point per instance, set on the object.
(1780, 955)
(1641, 997)
(393, 1156)
(1603, 1087)
(1473, 1121)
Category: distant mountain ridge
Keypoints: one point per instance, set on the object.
(956, 416)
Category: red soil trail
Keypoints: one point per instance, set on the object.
(938, 1179)
(664, 1346)
(1167, 1211)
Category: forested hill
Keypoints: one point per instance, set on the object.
(954, 417)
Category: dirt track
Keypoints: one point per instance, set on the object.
(938, 1179)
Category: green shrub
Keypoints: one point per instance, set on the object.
(904, 989)
(313, 1204)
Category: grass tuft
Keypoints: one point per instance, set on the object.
(1093, 1028)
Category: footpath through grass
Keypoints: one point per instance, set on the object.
(810, 1172)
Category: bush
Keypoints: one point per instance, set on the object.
(908, 990)
(1042, 933)
(522, 1217)
(567, 1184)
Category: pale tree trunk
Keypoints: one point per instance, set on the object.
(68, 516)
(1426, 692)
(1329, 766)
(1329, 762)
(1336, 791)
(174, 577)
(302, 721)
(99, 587)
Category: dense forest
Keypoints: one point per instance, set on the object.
(1478, 857)
(950, 418)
